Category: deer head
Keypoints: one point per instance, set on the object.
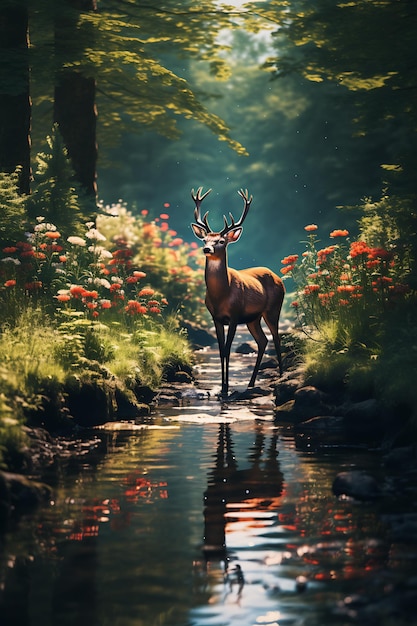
(215, 242)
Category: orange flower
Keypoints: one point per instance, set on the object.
(289, 260)
(90, 294)
(176, 242)
(77, 291)
(164, 216)
(287, 269)
(164, 226)
(63, 297)
(309, 289)
(52, 234)
(146, 292)
(139, 274)
(10, 283)
(134, 307)
(154, 309)
(346, 288)
(357, 248)
(339, 233)
(310, 227)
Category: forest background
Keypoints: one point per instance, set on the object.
(309, 105)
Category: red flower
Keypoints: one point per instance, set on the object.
(133, 307)
(380, 253)
(90, 294)
(357, 248)
(37, 284)
(164, 216)
(10, 250)
(339, 233)
(310, 227)
(176, 242)
(10, 283)
(63, 297)
(289, 260)
(309, 289)
(77, 291)
(346, 288)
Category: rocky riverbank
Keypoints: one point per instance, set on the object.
(63, 428)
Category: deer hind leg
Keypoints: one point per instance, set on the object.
(271, 319)
(224, 350)
(258, 334)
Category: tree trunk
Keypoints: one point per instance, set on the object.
(74, 104)
(15, 104)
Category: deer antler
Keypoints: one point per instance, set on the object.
(228, 227)
(198, 199)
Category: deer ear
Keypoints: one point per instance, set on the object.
(199, 232)
(233, 235)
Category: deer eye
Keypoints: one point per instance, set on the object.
(221, 241)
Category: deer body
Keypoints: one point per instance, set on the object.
(237, 296)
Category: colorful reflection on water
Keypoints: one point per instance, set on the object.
(195, 525)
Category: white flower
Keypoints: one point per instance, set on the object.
(9, 259)
(76, 241)
(93, 233)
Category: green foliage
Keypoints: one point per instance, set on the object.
(130, 49)
(362, 50)
(347, 287)
(56, 196)
(12, 208)
(355, 303)
(392, 223)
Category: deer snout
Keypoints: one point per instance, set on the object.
(208, 249)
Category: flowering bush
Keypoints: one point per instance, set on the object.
(173, 266)
(122, 266)
(346, 283)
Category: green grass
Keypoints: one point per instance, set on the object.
(38, 356)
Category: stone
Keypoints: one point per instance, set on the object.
(198, 337)
(356, 484)
(245, 348)
(363, 420)
(309, 395)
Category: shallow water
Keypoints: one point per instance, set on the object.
(151, 531)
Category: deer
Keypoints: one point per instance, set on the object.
(237, 296)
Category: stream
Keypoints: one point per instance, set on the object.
(209, 516)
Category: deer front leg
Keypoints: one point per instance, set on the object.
(224, 351)
(220, 340)
(258, 334)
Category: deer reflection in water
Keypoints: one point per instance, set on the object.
(232, 491)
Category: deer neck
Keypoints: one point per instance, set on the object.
(217, 276)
